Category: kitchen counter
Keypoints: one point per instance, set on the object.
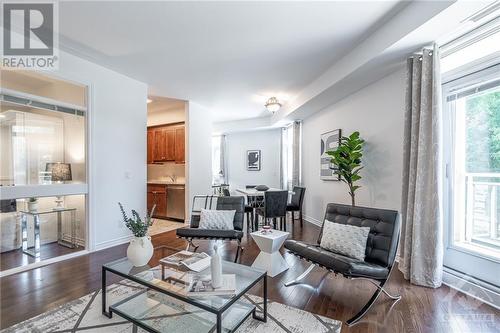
(164, 182)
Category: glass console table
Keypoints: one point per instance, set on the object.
(164, 307)
(32, 248)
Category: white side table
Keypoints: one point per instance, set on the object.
(270, 259)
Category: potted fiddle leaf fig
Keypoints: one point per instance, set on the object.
(347, 162)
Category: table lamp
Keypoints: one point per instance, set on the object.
(60, 173)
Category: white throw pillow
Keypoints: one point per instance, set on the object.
(217, 219)
(345, 239)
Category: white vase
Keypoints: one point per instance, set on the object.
(32, 206)
(140, 251)
(216, 269)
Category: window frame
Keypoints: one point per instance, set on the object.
(458, 257)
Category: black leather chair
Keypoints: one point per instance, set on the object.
(381, 249)
(274, 208)
(295, 204)
(248, 209)
(220, 203)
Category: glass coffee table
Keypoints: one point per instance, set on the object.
(163, 305)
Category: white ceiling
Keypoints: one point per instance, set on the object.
(228, 56)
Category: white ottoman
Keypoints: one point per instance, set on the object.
(270, 259)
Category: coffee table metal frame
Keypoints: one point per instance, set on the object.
(192, 301)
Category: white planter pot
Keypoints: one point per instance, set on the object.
(32, 206)
(140, 251)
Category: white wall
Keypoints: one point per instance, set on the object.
(118, 146)
(377, 112)
(198, 153)
(161, 117)
(268, 142)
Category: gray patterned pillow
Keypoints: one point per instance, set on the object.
(217, 219)
(345, 239)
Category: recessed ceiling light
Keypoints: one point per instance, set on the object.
(149, 100)
(272, 104)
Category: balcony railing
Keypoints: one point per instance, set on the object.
(482, 215)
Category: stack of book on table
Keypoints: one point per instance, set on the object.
(191, 276)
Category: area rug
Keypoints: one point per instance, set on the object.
(84, 314)
(160, 226)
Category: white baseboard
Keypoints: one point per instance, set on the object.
(113, 242)
(312, 220)
(468, 285)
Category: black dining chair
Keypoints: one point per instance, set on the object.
(248, 209)
(254, 201)
(274, 208)
(295, 204)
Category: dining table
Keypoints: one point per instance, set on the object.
(255, 197)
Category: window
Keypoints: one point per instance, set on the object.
(218, 159)
(475, 126)
(471, 114)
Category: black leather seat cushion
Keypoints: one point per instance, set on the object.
(293, 207)
(336, 262)
(209, 233)
(248, 209)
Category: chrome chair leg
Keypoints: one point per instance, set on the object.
(300, 277)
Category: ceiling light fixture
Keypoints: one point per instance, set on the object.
(149, 100)
(272, 104)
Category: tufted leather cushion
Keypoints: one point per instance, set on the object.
(384, 229)
(208, 233)
(226, 203)
(336, 262)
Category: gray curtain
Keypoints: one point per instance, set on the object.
(223, 166)
(290, 180)
(421, 251)
(296, 147)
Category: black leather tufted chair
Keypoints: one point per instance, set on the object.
(220, 203)
(381, 249)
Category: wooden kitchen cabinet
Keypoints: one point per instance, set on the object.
(157, 195)
(180, 146)
(151, 140)
(169, 144)
(166, 144)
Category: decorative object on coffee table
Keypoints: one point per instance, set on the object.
(140, 250)
(216, 268)
(270, 258)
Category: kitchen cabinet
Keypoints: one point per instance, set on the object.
(157, 195)
(151, 139)
(166, 144)
(180, 145)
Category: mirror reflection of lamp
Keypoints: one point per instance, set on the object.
(59, 173)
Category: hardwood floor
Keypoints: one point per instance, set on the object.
(421, 310)
(17, 258)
